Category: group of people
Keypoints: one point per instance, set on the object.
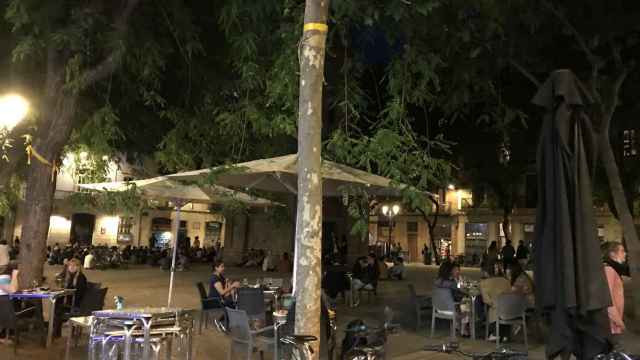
(498, 261)
(515, 280)
(264, 259)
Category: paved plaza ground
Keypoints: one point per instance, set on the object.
(148, 286)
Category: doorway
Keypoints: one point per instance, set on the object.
(82, 229)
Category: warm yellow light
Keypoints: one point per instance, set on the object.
(13, 108)
(452, 187)
(396, 209)
(110, 224)
(59, 224)
(385, 209)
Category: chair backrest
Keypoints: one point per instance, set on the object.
(511, 306)
(94, 285)
(442, 299)
(252, 301)
(202, 290)
(238, 328)
(7, 313)
(93, 300)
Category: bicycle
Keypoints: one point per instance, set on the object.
(363, 342)
(454, 348)
(300, 347)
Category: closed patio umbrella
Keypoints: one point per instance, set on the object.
(570, 284)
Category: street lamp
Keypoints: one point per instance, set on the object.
(390, 212)
(13, 108)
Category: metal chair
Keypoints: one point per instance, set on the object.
(244, 338)
(12, 320)
(208, 306)
(511, 310)
(444, 307)
(421, 304)
(251, 300)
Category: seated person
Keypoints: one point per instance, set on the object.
(9, 280)
(220, 288)
(89, 261)
(521, 283)
(74, 279)
(490, 289)
(367, 273)
(448, 277)
(267, 263)
(285, 265)
(397, 270)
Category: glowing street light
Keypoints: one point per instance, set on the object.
(390, 212)
(13, 108)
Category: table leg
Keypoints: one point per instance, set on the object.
(146, 322)
(473, 318)
(52, 314)
(128, 331)
(67, 353)
(275, 341)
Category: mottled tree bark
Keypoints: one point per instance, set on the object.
(309, 211)
(53, 130)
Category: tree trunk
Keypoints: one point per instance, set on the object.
(309, 210)
(624, 214)
(52, 135)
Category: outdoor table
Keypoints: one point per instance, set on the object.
(472, 290)
(351, 302)
(76, 322)
(279, 319)
(52, 296)
(147, 316)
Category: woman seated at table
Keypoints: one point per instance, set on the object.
(220, 288)
(448, 277)
(75, 279)
(9, 280)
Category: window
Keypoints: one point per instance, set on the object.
(124, 229)
(629, 143)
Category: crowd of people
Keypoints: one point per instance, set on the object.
(104, 257)
(265, 260)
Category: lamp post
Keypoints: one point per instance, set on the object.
(390, 212)
(13, 108)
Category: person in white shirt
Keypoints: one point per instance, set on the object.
(4, 254)
(89, 261)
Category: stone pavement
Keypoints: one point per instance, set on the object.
(148, 286)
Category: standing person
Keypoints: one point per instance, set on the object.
(426, 258)
(508, 255)
(522, 254)
(614, 269)
(4, 255)
(490, 259)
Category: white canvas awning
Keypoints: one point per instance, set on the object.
(279, 174)
(163, 188)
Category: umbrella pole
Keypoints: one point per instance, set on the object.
(173, 257)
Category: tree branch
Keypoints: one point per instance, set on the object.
(112, 61)
(612, 104)
(595, 61)
(526, 73)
